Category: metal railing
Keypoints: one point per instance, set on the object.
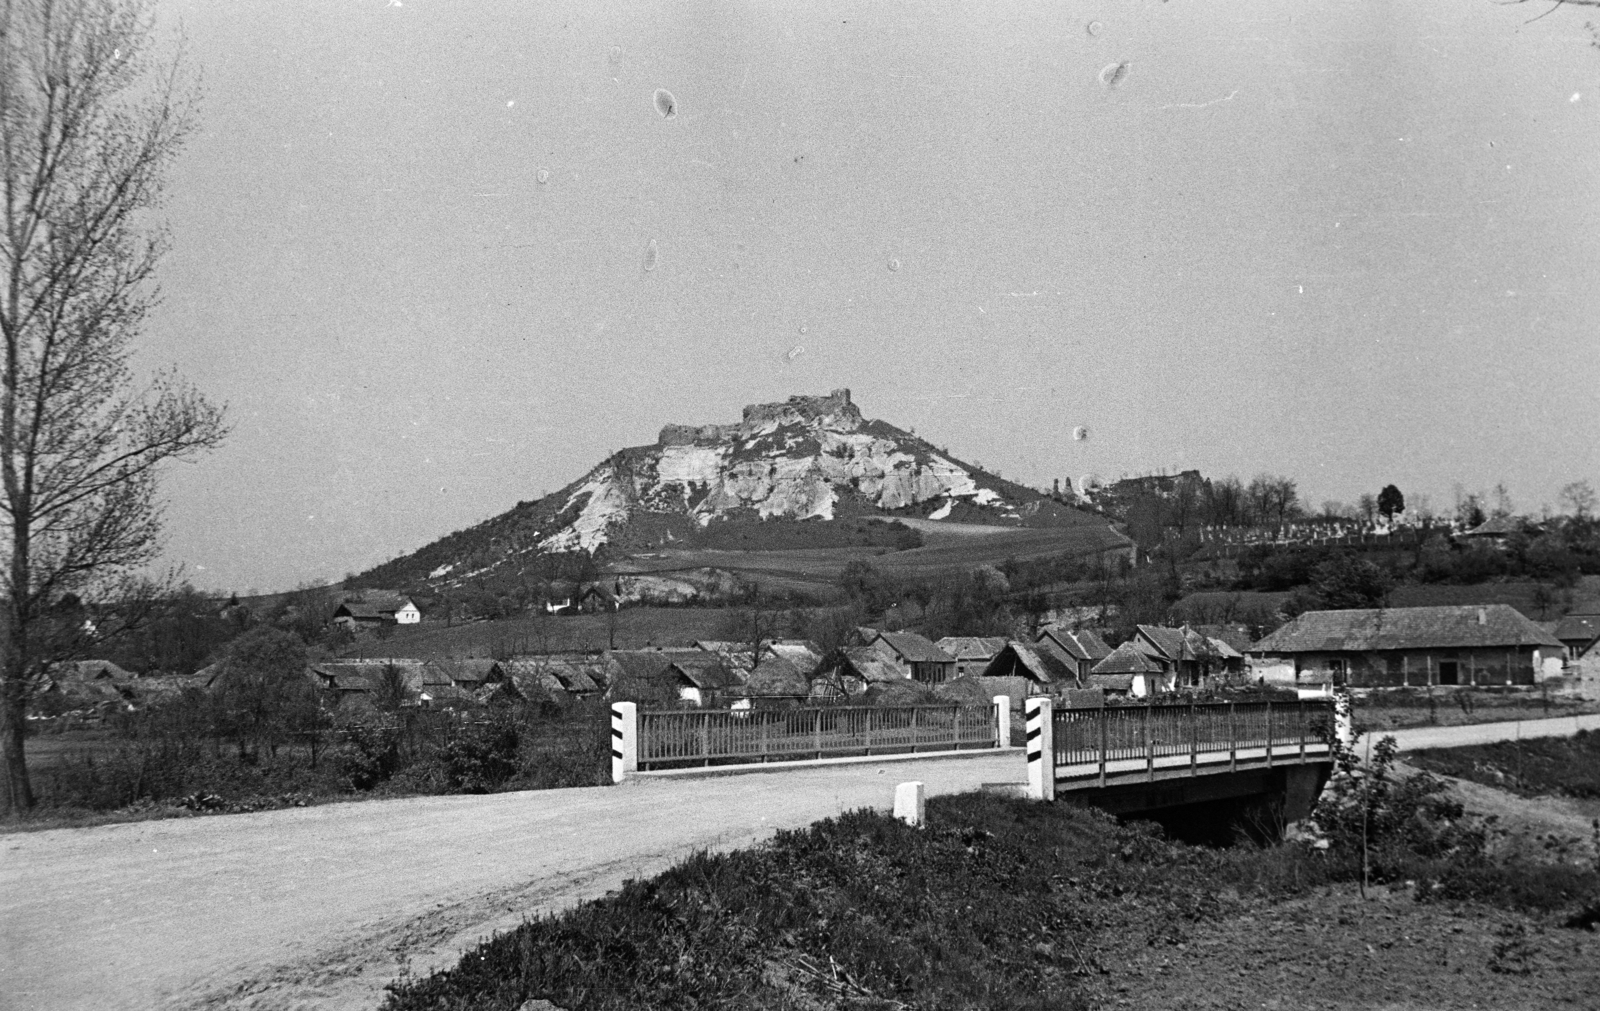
(757, 735)
(1203, 732)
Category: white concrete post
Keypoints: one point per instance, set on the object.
(1041, 748)
(1343, 723)
(911, 803)
(1002, 721)
(624, 740)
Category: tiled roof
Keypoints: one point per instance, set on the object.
(1584, 628)
(1080, 644)
(1456, 627)
(972, 647)
(1126, 659)
(1168, 642)
(913, 648)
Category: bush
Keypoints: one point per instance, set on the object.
(483, 758)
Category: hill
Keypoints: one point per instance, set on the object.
(804, 475)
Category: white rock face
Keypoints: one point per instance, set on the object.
(793, 460)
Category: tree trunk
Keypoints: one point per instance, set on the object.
(18, 795)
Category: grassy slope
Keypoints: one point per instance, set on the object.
(1006, 904)
(1562, 766)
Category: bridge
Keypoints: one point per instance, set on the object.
(1201, 766)
(1196, 768)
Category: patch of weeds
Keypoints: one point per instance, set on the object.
(1513, 952)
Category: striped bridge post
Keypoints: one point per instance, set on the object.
(624, 740)
(1041, 749)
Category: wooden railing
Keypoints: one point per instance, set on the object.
(703, 736)
(1204, 733)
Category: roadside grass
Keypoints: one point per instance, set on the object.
(996, 903)
(1538, 766)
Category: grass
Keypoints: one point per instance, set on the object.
(1539, 766)
(635, 628)
(996, 903)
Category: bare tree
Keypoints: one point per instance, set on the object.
(89, 122)
(1579, 496)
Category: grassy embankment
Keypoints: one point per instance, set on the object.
(994, 904)
(1539, 766)
(1398, 708)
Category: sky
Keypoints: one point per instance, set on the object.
(1355, 243)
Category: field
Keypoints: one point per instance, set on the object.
(947, 547)
(1519, 593)
(630, 628)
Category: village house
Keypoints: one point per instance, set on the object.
(1578, 634)
(853, 671)
(702, 679)
(1190, 656)
(375, 608)
(973, 653)
(918, 657)
(1082, 645)
(1131, 671)
(1466, 645)
(1021, 669)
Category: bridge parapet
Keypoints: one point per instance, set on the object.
(1118, 745)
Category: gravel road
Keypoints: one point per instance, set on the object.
(320, 907)
(1420, 738)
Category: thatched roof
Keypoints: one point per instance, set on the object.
(1125, 659)
(972, 647)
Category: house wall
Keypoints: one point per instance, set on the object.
(408, 615)
(1417, 667)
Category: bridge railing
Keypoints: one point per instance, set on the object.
(1201, 731)
(678, 737)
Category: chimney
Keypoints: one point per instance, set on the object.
(1483, 616)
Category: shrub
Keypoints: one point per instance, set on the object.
(483, 758)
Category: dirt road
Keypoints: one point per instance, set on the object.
(1420, 738)
(321, 907)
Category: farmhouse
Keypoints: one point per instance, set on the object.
(376, 608)
(1084, 647)
(853, 671)
(972, 652)
(1130, 670)
(1022, 669)
(1490, 644)
(917, 656)
(1190, 656)
(1578, 633)
(702, 679)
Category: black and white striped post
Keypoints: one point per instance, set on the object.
(624, 740)
(1041, 748)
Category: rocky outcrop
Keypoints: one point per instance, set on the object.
(797, 459)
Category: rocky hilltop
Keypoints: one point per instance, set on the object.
(800, 459)
(810, 458)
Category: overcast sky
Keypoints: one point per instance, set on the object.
(1354, 242)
